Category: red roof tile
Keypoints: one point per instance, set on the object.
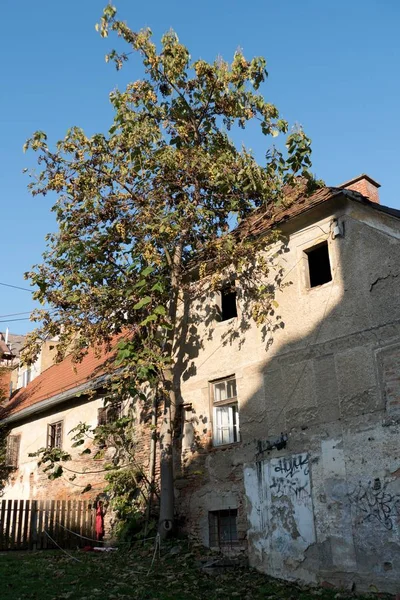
(61, 377)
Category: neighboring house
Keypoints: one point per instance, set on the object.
(42, 414)
(11, 345)
(24, 374)
(290, 443)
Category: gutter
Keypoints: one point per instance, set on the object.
(57, 399)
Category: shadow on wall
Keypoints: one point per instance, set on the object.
(311, 483)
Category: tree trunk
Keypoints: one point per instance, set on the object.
(170, 399)
(152, 461)
(166, 521)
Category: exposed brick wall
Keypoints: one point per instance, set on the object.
(365, 187)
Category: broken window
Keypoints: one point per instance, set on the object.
(228, 303)
(319, 266)
(222, 527)
(54, 435)
(12, 451)
(225, 412)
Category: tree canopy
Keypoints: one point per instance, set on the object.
(140, 208)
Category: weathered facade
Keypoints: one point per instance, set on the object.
(42, 414)
(290, 442)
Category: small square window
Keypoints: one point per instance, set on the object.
(228, 303)
(225, 412)
(319, 266)
(54, 435)
(222, 527)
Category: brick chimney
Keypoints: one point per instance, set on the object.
(365, 185)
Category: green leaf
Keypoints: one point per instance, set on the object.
(142, 302)
(147, 271)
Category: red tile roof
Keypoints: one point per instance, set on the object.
(59, 378)
(296, 203)
(293, 205)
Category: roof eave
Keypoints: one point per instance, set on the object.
(44, 405)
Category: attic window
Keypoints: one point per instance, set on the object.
(228, 303)
(319, 266)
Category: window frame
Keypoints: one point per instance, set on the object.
(12, 455)
(104, 413)
(52, 437)
(231, 403)
(307, 274)
(26, 376)
(227, 290)
(215, 528)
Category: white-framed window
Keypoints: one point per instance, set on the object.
(225, 411)
(26, 377)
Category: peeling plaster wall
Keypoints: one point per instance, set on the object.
(330, 379)
(29, 481)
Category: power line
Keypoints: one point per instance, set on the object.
(27, 312)
(10, 320)
(16, 287)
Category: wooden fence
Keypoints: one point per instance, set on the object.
(40, 524)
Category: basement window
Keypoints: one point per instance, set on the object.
(319, 266)
(54, 435)
(228, 303)
(222, 527)
(225, 412)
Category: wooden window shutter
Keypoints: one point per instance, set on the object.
(13, 445)
(102, 416)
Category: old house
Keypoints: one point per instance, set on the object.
(290, 443)
(42, 413)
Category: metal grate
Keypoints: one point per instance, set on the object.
(222, 527)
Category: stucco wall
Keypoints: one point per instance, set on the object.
(29, 481)
(330, 381)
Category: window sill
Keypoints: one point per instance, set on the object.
(318, 287)
(227, 321)
(225, 446)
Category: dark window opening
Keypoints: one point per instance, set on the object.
(228, 303)
(54, 435)
(319, 266)
(109, 414)
(222, 527)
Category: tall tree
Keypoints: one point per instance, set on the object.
(145, 209)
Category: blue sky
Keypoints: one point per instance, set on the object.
(333, 67)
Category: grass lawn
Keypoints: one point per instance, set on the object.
(51, 575)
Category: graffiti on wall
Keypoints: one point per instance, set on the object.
(375, 503)
(290, 477)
